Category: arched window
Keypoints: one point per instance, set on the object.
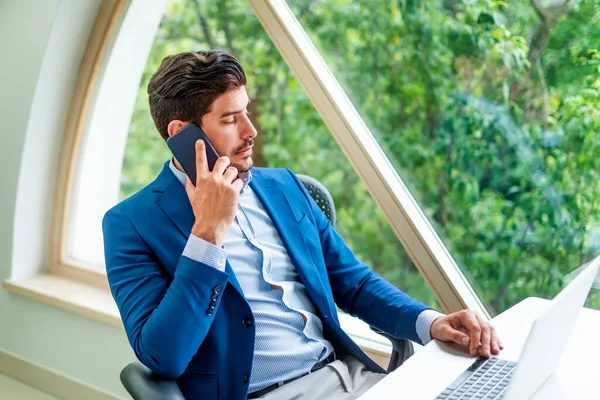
(457, 139)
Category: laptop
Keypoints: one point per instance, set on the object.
(495, 378)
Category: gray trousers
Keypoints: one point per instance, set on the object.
(347, 379)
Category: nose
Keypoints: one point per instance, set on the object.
(249, 131)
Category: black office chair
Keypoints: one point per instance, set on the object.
(143, 384)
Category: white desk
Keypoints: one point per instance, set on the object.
(433, 368)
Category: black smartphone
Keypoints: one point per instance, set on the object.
(183, 147)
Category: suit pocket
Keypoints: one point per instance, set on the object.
(199, 386)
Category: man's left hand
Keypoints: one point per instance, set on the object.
(469, 329)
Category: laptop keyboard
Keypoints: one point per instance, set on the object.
(486, 379)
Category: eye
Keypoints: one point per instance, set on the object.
(229, 122)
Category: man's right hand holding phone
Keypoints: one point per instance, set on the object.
(215, 197)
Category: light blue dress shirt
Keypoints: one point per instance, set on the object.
(289, 335)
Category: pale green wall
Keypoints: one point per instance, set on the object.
(41, 46)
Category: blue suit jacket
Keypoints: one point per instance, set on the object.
(165, 299)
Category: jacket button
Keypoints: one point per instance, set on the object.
(210, 311)
(214, 296)
(245, 378)
(217, 289)
(247, 322)
(213, 304)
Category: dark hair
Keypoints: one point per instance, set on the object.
(185, 85)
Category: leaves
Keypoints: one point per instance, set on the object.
(447, 89)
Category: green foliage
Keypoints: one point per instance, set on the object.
(499, 146)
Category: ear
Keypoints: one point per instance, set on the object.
(175, 126)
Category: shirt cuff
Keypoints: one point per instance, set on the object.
(202, 251)
(423, 324)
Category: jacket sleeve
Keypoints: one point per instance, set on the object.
(166, 319)
(358, 290)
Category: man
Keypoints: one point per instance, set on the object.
(229, 284)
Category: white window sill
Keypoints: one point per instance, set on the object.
(70, 295)
(98, 304)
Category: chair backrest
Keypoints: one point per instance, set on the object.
(321, 195)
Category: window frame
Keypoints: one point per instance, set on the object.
(102, 36)
(76, 288)
(411, 226)
(409, 223)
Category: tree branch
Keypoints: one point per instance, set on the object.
(203, 24)
(541, 12)
(281, 88)
(442, 217)
(545, 94)
(223, 10)
(525, 232)
(259, 141)
(541, 32)
(433, 107)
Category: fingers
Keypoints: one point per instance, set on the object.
(470, 329)
(221, 165)
(496, 345)
(486, 336)
(201, 163)
(470, 323)
(231, 174)
(238, 184)
(457, 336)
(190, 189)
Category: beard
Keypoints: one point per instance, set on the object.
(247, 163)
(244, 166)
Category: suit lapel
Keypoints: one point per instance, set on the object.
(174, 203)
(282, 214)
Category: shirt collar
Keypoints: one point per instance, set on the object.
(245, 176)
